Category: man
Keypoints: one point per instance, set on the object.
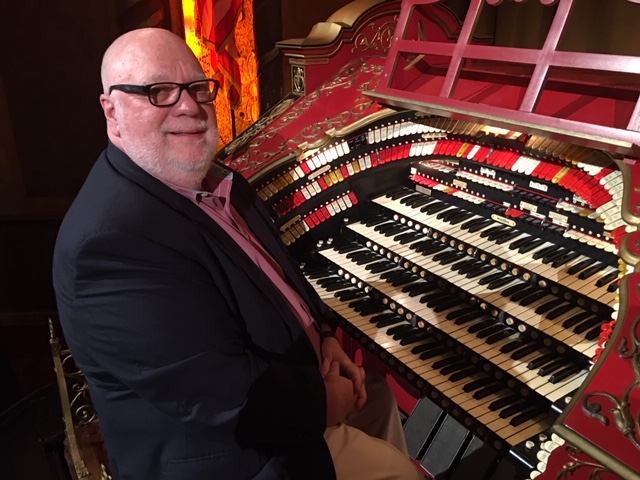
(207, 354)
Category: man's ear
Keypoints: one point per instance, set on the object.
(109, 109)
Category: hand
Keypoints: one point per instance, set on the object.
(333, 352)
(341, 397)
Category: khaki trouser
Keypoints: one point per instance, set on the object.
(370, 445)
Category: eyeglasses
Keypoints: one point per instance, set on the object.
(166, 94)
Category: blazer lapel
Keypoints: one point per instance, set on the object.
(217, 238)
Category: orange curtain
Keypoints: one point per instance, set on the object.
(215, 23)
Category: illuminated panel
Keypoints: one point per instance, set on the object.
(248, 112)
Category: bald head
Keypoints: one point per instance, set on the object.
(175, 143)
(139, 48)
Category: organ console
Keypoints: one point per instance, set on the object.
(470, 212)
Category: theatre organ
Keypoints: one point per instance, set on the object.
(469, 211)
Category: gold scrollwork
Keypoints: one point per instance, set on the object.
(571, 467)
(621, 409)
(380, 41)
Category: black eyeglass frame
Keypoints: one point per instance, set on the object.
(146, 90)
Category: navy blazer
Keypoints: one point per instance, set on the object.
(197, 367)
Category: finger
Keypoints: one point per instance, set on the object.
(324, 368)
(334, 369)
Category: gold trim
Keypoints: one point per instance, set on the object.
(574, 438)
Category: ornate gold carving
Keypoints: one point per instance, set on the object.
(379, 39)
(570, 468)
(298, 80)
(621, 409)
(254, 158)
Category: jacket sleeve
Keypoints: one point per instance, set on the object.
(155, 321)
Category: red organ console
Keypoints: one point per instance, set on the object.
(470, 212)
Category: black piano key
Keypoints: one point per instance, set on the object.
(474, 222)
(427, 345)
(371, 309)
(404, 279)
(463, 311)
(554, 255)
(496, 337)
(513, 289)
(431, 296)
(464, 373)
(489, 231)
(433, 209)
(454, 367)
(488, 390)
(389, 322)
(446, 305)
(337, 286)
(399, 328)
(476, 384)
(427, 287)
(501, 403)
(564, 373)
(543, 252)
(593, 333)
(561, 310)
(468, 317)
(508, 236)
(521, 242)
(500, 282)
(480, 226)
(552, 367)
(350, 294)
(547, 306)
(461, 217)
(512, 409)
(400, 193)
(491, 278)
(493, 236)
(476, 327)
(451, 259)
(520, 294)
(383, 316)
(476, 272)
(486, 332)
(390, 275)
(525, 416)
(529, 299)
(445, 255)
(513, 345)
(588, 324)
(434, 352)
(589, 272)
(445, 362)
(523, 352)
(581, 265)
(349, 248)
(413, 338)
(576, 319)
(445, 214)
(531, 245)
(470, 266)
(566, 258)
(542, 360)
(613, 286)
(607, 279)
(462, 263)
(361, 302)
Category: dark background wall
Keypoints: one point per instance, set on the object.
(52, 129)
